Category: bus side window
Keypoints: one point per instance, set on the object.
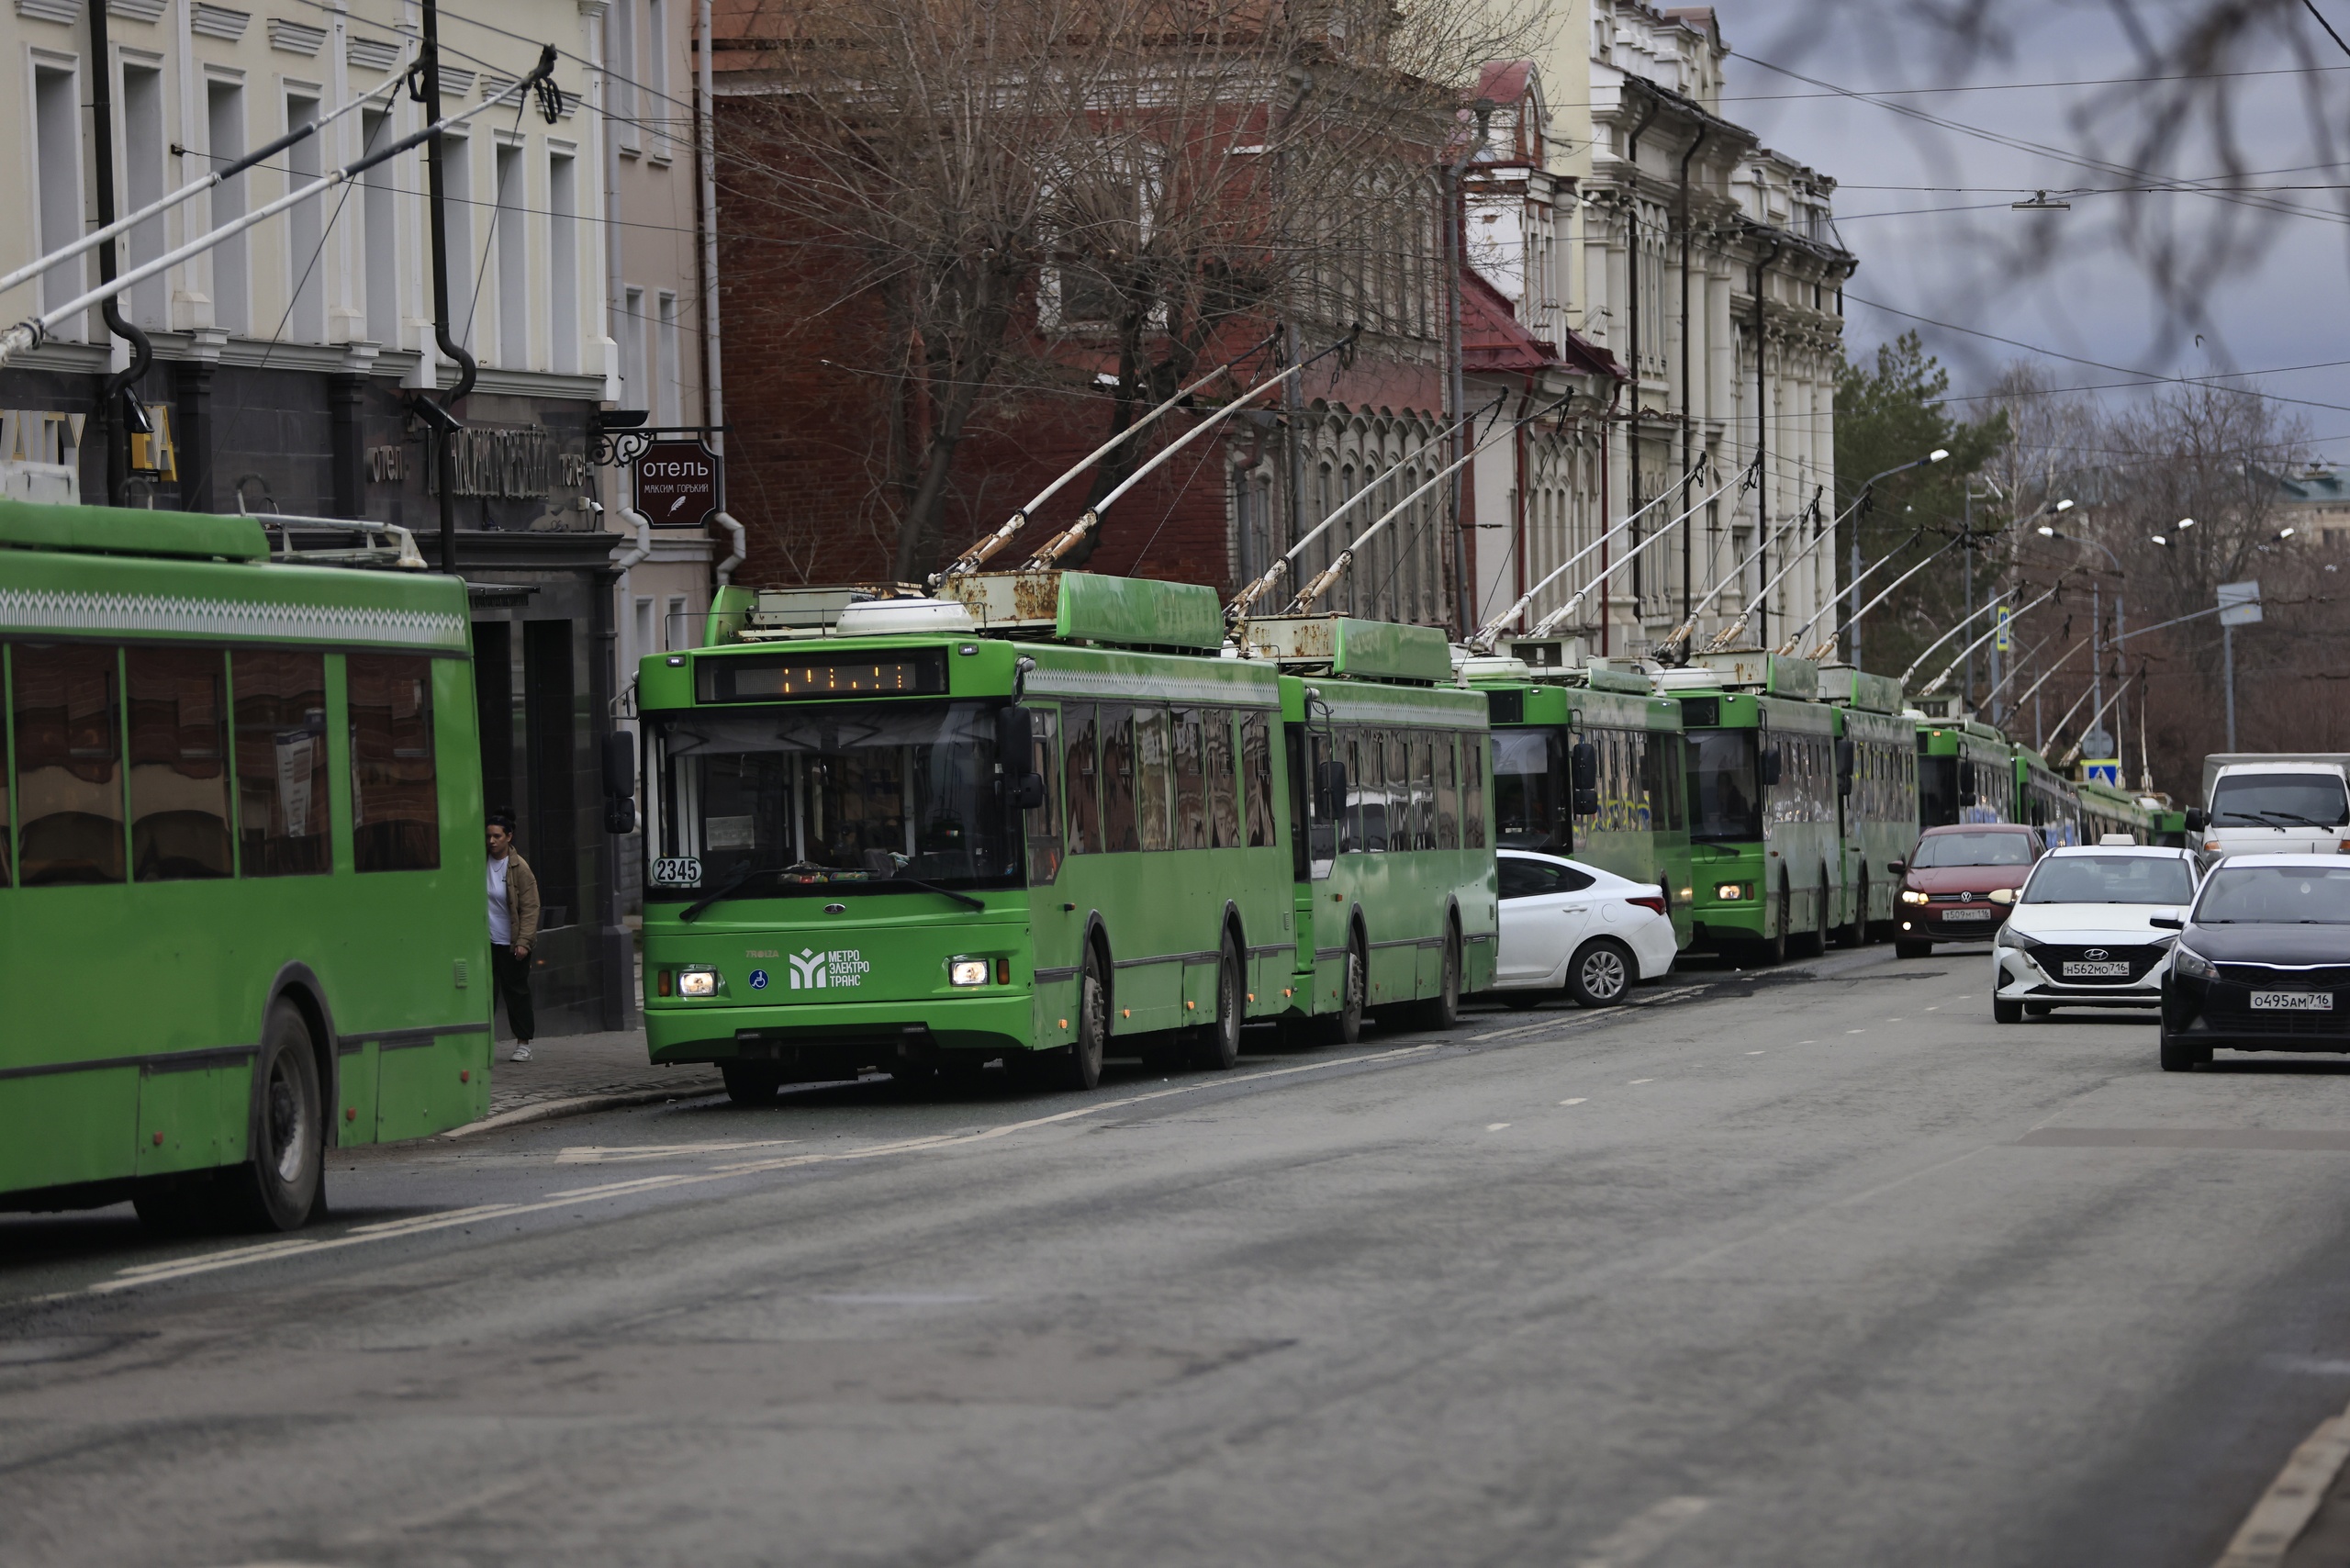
(1399, 789)
(1191, 778)
(1083, 779)
(1424, 790)
(280, 702)
(1043, 823)
(66, 701)
(394, 797)
(1447, 791)
(1349, 823)
(179, 764)
(1153, 785)
(1257, 758)
(1117, 743)
(1223, 783)
(1473, 790)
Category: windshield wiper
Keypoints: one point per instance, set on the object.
(740, 876)
(2291, 817)
(934, 888)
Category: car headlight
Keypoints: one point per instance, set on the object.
(2186, 961)
(1911, 895)
(2010, 937)
(968, 971)
(700, 981)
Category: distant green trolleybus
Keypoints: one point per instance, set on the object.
(241, 890)
(1049, 819)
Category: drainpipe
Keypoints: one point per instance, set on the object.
(1615, 393)
(1688, 411)
(1632, 282)
(131, 416)
(439, 421)
(713, 390)
(1761, 415)
(1456, 257)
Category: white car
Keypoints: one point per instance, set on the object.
(1570, 927)
(2082, 931)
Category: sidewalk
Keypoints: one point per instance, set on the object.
(568, 1072)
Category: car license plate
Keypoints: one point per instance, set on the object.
(2292, 1002)
(1968, 913)
(2081, 969)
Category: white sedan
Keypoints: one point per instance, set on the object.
(2082, 933)
(1566, 925)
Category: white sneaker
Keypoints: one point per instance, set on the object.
(522, 1052)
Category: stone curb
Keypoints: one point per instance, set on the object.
(576, 1105)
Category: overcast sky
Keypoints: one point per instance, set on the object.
(1958, 255)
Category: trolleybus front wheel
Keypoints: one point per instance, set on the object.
(751, 1083)
(1442, 1011)
(1081, 1068)
(1354, 998)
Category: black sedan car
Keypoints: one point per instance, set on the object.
(2262, 961)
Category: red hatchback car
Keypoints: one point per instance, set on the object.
(1959, 883)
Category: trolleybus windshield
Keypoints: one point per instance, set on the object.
(1526, 783)
(1725, 796)
(822, 801)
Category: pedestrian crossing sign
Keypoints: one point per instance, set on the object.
(2003, 642)
(2107, 771)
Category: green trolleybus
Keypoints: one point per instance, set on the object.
(1966, 773)
(2104, 809)
(1878, 783)
(1049, 812)
(241, 890)
(1587, 762)
(1766, 847)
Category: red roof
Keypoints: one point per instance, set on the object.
(1492, 338)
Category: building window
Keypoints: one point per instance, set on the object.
(457, 187)
(563, 260)
(142, 185)
(513, 261)
(656, 75)
(676, 632)
(306, 317)
(379, 221)
(620, 58)
(630, 329)
(641, 622)
(672, 388)
(225, 124)
(57, 164)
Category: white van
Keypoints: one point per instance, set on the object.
(2274, 804)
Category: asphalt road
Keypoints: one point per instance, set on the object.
(1808, 1272)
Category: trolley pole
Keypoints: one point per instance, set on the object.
(2228, 666)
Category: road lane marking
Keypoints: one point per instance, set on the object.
(1637, 1539)
(1856, 1031)
(1754, 1053)
(1578, 1099)
(614, 1154)
(185, 1267)
(2292, 1499)
(1641, 1080)
(1495, 1127)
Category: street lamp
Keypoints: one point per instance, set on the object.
(2184, 524)
(1940, 453)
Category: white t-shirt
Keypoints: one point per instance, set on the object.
(501, 921)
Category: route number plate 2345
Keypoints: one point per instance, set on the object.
(683, 872)
(2292, 1002)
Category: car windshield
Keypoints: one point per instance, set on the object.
(832, 797)
(2280, 800)
(2276, 895)
(2110, 879)
(1946, 849)
(1725, 798)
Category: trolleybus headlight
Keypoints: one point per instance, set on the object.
(698, 981)
(1729, 893)
(1911, 895)
(968, 971)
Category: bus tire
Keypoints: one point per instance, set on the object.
(1600, 973)
(1773, 950)
(1081, 1068)
(1345, 1026)
(1442, 1011)
(283, 1180)
(1813, 943)
(1218, 1047)
(756, 1082)
(1855, 931)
